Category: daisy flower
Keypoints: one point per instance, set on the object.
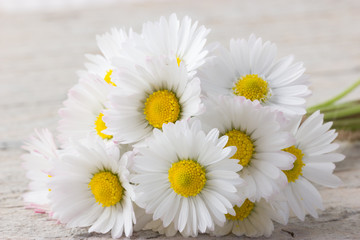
(42, 151)
(254, 219)
(83, 110)
(255, 132)
(148, 97)
(181, 40)
(314, 164)
(250, 69)
(90, 187)
(186, 178)
(111, 46)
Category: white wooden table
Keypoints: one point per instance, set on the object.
(40, 53)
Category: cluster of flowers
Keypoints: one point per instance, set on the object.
(164, 132)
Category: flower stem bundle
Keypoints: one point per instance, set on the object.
(345, 115)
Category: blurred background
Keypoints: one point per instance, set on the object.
(43, 42)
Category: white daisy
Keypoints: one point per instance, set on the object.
(111, 46)
(83, 110)
(314, 163)
(148, 97)
(250, 69)
(256, 133)
(182, 40)
(185, 177)
(90, 187)
(42, 151)
(254, 219)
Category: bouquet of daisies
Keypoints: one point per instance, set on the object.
(167, 133)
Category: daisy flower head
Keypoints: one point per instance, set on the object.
(100, 195)
(254, 219)
(111, 44)
(314, 164)
(185, 177)
(42, 151)
(250, 69)
(182, 40)
(83, 110)
(256, 133)
(148, 97)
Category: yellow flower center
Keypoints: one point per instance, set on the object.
(107, 77)
(251, 87)
(241, 212)
(161, 107)
(296, 171)
(244, 145)
(178, 61)
(187, 178)
(100, 126)
(106, 188)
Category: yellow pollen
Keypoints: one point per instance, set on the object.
(100, 126)
(296, 171)
(161, 107)
(187, 178)
(251, 87)
(241, 212)
(107, 77)
(106, 188)
(244, 145)
(178, 61)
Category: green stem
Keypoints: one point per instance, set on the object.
(345, 112)
(334, 99)
(335, 107)
(347, 124)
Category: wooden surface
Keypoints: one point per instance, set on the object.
(40, 53)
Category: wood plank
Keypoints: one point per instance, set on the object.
(40, 53)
